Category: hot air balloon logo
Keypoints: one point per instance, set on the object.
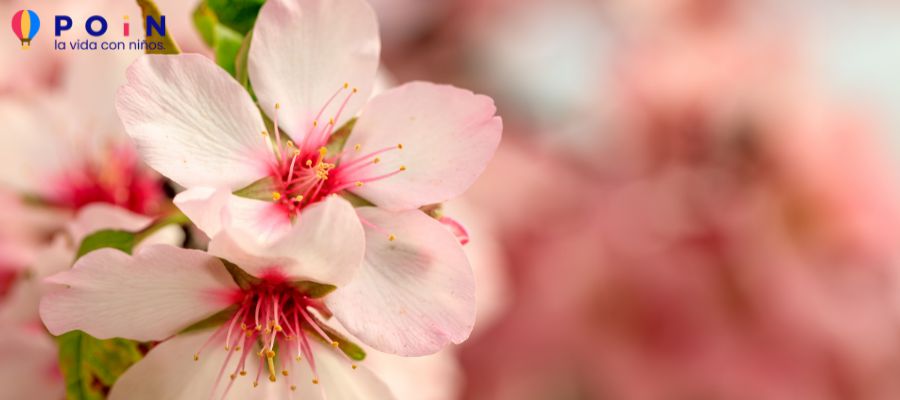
(25, 25)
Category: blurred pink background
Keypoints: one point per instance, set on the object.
(693, 199)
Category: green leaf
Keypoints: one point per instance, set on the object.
(239, 15)
(156, 44)
(91, 366)
(226, 47)
(205, 22)
(116, 239)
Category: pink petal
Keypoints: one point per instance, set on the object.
(212, 210)
(325, 246)
(150, 296)
(448, 136)
(192, 122)
(413, 295)
(303, 51)
(170, 372)
(28, 364)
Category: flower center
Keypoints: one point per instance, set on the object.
(274, 323)
(306, 173)
(117, 180)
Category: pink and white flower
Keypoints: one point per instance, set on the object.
(269, 321)
(312, 64)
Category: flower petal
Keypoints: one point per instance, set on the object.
(170, 372)
(150, 296)
(338, 380)
(212, 209)
(28, 364)
(192, 122)
(413, 295)
(448, 136)
(303, 51)
(325, 246)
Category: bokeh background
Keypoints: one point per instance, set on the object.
(693, 199)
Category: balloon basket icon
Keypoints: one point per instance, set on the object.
(26, 44)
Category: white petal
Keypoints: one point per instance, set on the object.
(204, 206)
(150, 296)
(413, 295)
(192, 122)
(213, 209)
(448, 136)
(169, 372)
(325, 246)
(338, 380)
(303, 51)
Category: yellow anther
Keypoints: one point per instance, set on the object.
(299, 358)
(335, 344)
(353, 366)
(232, 376)
(359, 183)
(376, 160)
(243, 373)
(346, 85)
(258, 327)
(309, 163)
(323, 151)
(196, 356)
(298, 198)
(391, 237)
(403, 168)
(277, 105)
(315, 381)
(275, 197)
(272, 378)
(331, 121)
(268, 330)
(355, 90)
(290, 143)
(400, 146)
(255, 383)
(227, 348)
(315, 123)
(284, 372)
(237, 348)
(356, 147)
(277, 328)
(293, 387)
(270, 354)
(243, 326)
(264, 133)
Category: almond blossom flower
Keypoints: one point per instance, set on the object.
(312, 64)
(267, 317)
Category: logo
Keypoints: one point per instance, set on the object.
(25, 25)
